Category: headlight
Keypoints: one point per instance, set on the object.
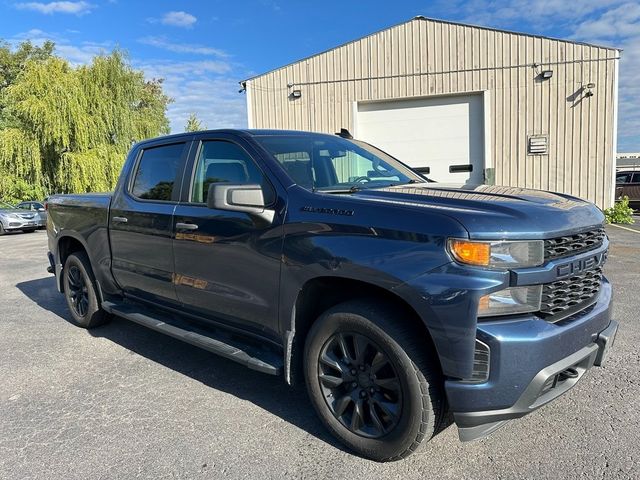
(498, 254)
(511, 301)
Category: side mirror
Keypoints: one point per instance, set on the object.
(239, 198)
(41, 209)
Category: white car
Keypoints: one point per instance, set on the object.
(12, 219)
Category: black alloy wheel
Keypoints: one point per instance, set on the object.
(373, 378)
(78, 291)
(360, 384)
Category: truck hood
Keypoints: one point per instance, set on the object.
(490, 212)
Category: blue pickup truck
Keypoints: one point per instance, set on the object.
(399, 302)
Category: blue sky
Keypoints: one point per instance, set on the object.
(203, 49)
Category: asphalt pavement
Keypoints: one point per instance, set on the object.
(122, 402)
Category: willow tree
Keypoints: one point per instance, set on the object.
(68, 129)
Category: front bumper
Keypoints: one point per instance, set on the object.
(528, 358)
(13, 224)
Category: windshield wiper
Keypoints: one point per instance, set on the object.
(351, 189)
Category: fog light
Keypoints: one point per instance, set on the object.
(511, 301)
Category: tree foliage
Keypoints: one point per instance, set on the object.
(67, 129)
(193, 124)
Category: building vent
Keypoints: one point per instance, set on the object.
(538, 145)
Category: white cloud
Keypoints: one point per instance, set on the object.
(207, 88)
(76, 54)
(161, 42)
(178, 19)
(75, 8)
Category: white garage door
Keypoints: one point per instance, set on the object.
(445, 134)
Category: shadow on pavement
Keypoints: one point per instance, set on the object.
(267, 392)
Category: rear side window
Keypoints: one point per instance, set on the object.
(636, 178)
(157, 171)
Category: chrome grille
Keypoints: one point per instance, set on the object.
(569, 295)
(573, 244)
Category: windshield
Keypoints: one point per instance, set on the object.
(6, 206)
(319, 162)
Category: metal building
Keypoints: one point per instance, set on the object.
(465, 103)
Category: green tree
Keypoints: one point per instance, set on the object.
(194, 124)
(67, 129)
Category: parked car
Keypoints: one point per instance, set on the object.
(36, 207)
(628, 184)
(12, 219)
(326, 261)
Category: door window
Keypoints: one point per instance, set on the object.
(636, 178)
(157, 171)
(623, 178)
(223, 162)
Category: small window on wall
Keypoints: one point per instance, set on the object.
(157, 171)
(224, 162)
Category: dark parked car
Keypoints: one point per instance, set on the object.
(628, 184)
(14, 219)
(36, 207)
(326, 261)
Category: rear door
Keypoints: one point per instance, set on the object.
(227, 263)
(141, 222)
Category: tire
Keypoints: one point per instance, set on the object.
(401, 402)
(80, 292)
(2, 230)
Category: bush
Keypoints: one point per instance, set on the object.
(620, 212)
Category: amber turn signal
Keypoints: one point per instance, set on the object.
(471, 253)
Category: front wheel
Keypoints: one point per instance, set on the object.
(2, 230)
(80, 292)
(374, 383)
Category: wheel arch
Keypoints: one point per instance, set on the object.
(319, 294)
(66, 245)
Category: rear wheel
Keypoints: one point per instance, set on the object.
(80, 292)
(374, 383)
(2, 230)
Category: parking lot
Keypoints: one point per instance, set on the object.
(122, 401)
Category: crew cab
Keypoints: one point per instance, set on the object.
(397, 301)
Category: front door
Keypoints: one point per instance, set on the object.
(141, 224)
(227, 263)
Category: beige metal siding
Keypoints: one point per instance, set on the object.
(426, 57)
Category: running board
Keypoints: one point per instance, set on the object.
(255, 358)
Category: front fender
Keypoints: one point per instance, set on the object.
(446, 299)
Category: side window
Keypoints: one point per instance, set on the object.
(623, 178)
(223, 162)
(636, 178)
(157, 171)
